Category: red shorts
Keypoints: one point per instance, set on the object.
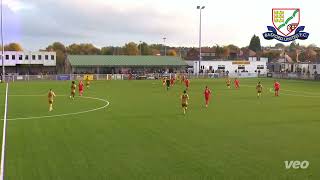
(277, 89)
(207, 98)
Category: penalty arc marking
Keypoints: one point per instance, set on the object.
(107, 103)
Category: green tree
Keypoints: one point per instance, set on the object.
(60, 49)
(107, 50)
(293, 46)
(145, 49)
(131, 49)
(74, 49)
(255, 44)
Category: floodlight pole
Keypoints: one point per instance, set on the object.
(200, 31)
(2, 44)
(140, 48)
(164, 44)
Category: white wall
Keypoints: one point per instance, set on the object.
(230, 66)
(311, 68)
(16, 54)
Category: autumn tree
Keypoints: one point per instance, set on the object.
(131, 49)
(279, 46)
(13, 47)
(83, 49)
(219, 51)
(233, 47)
(271, 55)
(172, 52)
(226, 52)
(155, 52)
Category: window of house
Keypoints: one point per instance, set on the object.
(7, 57)
(52, 57)
(46, 57)
(20, 57)
(33, 57)
(260, 67)
(314, 66)
(13, 57)
(39, 57)
(221, 67)
(26, 57)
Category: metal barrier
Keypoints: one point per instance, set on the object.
(297, 76)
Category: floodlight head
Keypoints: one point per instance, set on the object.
(203, 7)
(198, 7)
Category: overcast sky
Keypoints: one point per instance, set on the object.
(37, 23)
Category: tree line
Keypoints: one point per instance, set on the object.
(294, 51)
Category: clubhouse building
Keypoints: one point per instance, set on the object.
(24, 62)
(252, 65)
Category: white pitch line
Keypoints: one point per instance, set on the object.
(4, 134)
(66, 114)
(296, 95)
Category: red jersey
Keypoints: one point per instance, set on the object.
(81, 86)
(236, 82)
(207, 93)
(187, 82)
(172, 81)
(276, 85)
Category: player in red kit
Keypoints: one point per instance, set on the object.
(187, 83)
(172, 81)
(81, 87)
(276, 88)
(207, 95)
(236, 83)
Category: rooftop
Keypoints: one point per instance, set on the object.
(102, 60)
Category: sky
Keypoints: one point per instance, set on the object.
(37, 23)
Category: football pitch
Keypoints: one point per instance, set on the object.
(133, 130)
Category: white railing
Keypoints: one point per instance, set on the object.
(67, 77)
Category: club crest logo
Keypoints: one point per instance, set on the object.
(286, 22)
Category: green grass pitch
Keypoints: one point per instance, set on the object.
(143, 134)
